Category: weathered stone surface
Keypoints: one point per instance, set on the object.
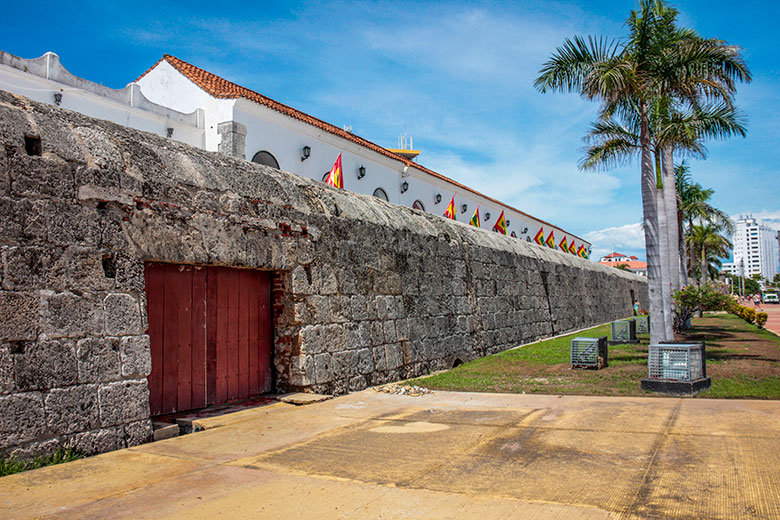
(72, 409)
(123, 402)
(98, 359)
(138, 432)
(122, 315)
(68, 314)
(7, 383)
(23, 418)
(96, 441)
(135, 356)
(43, 365)
(18, 316)
(364, 292)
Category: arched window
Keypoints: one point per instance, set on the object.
(325, 177)
(513, 234)
(263, 157)
(380, 194)
(418, 205)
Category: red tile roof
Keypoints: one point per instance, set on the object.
(221, 88)
(632, 264)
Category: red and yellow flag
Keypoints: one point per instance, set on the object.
(500, 224)
(335, 177)
(539, 238)
(551, 239)
(563, 245)
(581, 251)
(573, 248)
(450, 211)
(475, 218)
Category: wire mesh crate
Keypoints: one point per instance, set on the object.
(623, 331)
(589, 352)
(677, 361)
(642, 324)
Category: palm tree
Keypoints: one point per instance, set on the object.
(709, 245)
(656, 59)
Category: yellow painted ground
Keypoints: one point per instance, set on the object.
(441, 455)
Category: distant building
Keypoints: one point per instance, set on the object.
(632, 263)
(755, 250)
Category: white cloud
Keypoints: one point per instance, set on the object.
(628, 239)
(770, 218)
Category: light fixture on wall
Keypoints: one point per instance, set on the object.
(405, 171)
(58, 98)
(361, 172)
(525, 230)
(507, 223)
(437, 198)
(170, 132)
(464, 207)
(487, 216)
(404, 186)
(305, 153)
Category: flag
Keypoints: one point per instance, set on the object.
(563, 245)
(335, 178)
(500, 225)
(551, 239)
(573, 248)
(475, 218)
(450, 212)
(539, 238)
(581, 251)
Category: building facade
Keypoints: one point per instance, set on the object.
(631, 263)
(755, 250)
(177, 100)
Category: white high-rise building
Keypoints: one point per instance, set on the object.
(755, 250)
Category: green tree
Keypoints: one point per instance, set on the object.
(710, 245)
(656, 60)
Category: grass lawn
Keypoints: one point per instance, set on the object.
(742, 360)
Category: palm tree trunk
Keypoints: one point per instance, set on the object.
(650, 225)
(670, 203)
(683, 247)
(704, 266)
(665, 252)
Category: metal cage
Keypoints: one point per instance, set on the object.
(642, 324)
(589, 352)
(623, 331)
(677, 361)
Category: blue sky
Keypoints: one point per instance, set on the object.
(458, 76)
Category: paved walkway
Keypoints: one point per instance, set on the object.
(773, 319)
(442, 455)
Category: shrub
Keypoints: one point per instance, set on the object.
(706, 297)
(761, 318)
(749, 314)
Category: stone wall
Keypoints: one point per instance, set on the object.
(365, 292)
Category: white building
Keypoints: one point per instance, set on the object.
(755, 250)
(178, 100)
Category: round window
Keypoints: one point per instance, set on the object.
(418, 205)
(380, 194)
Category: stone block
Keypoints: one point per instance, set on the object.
(389, 332)
(138, 432)
(7, 383)
(45, 364)
(311, 339)
(34, 449)
(364, 361)
(95, 441)
(98, 359)
(23, 418)
(18, 316)
(357, 383)
(393, 356)
(123, 402)
(323, 369)
(379, 357)
(123, 316)
(72, 409)
(84, 270)
(334, 338)
(135, 355)
(32, 268)
(67, 314)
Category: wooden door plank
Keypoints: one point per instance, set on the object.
(221, 325)
(253, 326)
(183, 302)
(198, 366)
(153, 279)
(212, 305)
(170, 340)
(244, 294)
(232, 334)
(265, 332)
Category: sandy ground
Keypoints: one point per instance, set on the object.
(440, 455)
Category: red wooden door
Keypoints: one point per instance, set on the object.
(210, 330)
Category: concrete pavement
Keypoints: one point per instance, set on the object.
(440, 455)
